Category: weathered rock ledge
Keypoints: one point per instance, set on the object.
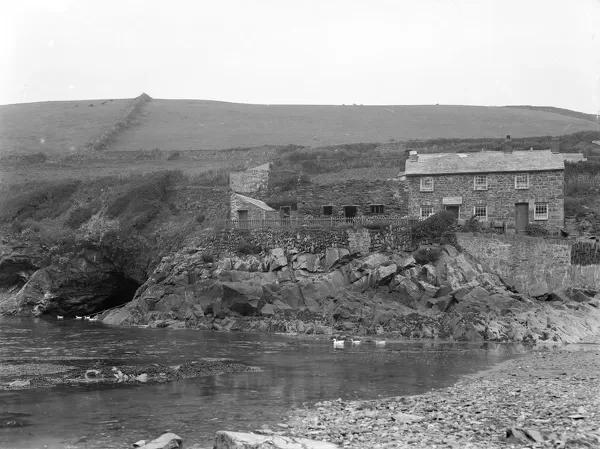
(23, 376)
(452, 297)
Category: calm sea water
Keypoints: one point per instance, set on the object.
(296, 370)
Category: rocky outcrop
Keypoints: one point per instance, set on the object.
(378, 293)
(90, 279)
(243, 440)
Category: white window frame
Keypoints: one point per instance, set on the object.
(521, 185)
(540, 216)
(423, 217)
(426, 188)
(479, 186)
(480, 218)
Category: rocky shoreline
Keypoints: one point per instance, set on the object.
(548, 398)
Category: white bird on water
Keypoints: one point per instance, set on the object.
(355, 342)
(379, 342)
(338, 343)
(77, 317)
(93, 318)
(60, 317)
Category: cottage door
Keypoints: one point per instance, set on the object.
(521, 217)
(453, 209)
(243, 218)
(350, 212)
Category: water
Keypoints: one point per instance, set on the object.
(296, 370)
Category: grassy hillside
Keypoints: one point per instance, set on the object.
(181, 124)
(58, 127)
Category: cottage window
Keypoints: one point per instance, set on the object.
(480, 182)
(426, 211)
(480, 212)
(522, 181)
(327, 210)
(541, 211)
(377, 208)
(427, 184)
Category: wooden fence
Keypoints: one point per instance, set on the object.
(320, 223)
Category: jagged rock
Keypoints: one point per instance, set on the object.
(579, 296)
(450, 250)
(539, 289)
(407, 287)
(476, 294)
(239, 297)
(334, 256)
(289, 294)
(165, 441)
(407, 418)
(443, 303)
(267, 310)
(276, 259)
(374, 261)
(382, 275)
(239, 440)
(406, 262)
(427, 289)
(308, 262)
(431, 274)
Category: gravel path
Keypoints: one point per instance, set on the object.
(549, 398)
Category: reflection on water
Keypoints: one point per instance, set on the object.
(295, 370)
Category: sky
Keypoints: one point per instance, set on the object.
(472, 52)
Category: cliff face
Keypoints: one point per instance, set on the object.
(89, 279)
(376, 293)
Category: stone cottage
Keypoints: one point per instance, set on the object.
(514, 187)
(247, 210)
(354, 193)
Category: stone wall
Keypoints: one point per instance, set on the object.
(500, 197)
(531, 264)
(208, 201)
(316, 241)
(389, 193)
(250, 181)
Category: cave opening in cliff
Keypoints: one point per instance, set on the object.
(123, 291)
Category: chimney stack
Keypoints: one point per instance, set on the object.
(507, 146)
(555, 145)
(413, 156)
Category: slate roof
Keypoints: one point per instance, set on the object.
(485, 162)
(254, 201)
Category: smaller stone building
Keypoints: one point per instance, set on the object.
(246, 209)
(513, 187)
(251, 181)
(377, 193)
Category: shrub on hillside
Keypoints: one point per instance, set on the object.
(175, 155)
(439, 228)
(80, 215)
(37, 201)
(536, 230)
(471, 225)
(427, 255)
(246, 248)
(208, 258)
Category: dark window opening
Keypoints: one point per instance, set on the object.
(327, 210)
(377, 208)
(350, 211)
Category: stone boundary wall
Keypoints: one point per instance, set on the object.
(226, 243)
(533, 265)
